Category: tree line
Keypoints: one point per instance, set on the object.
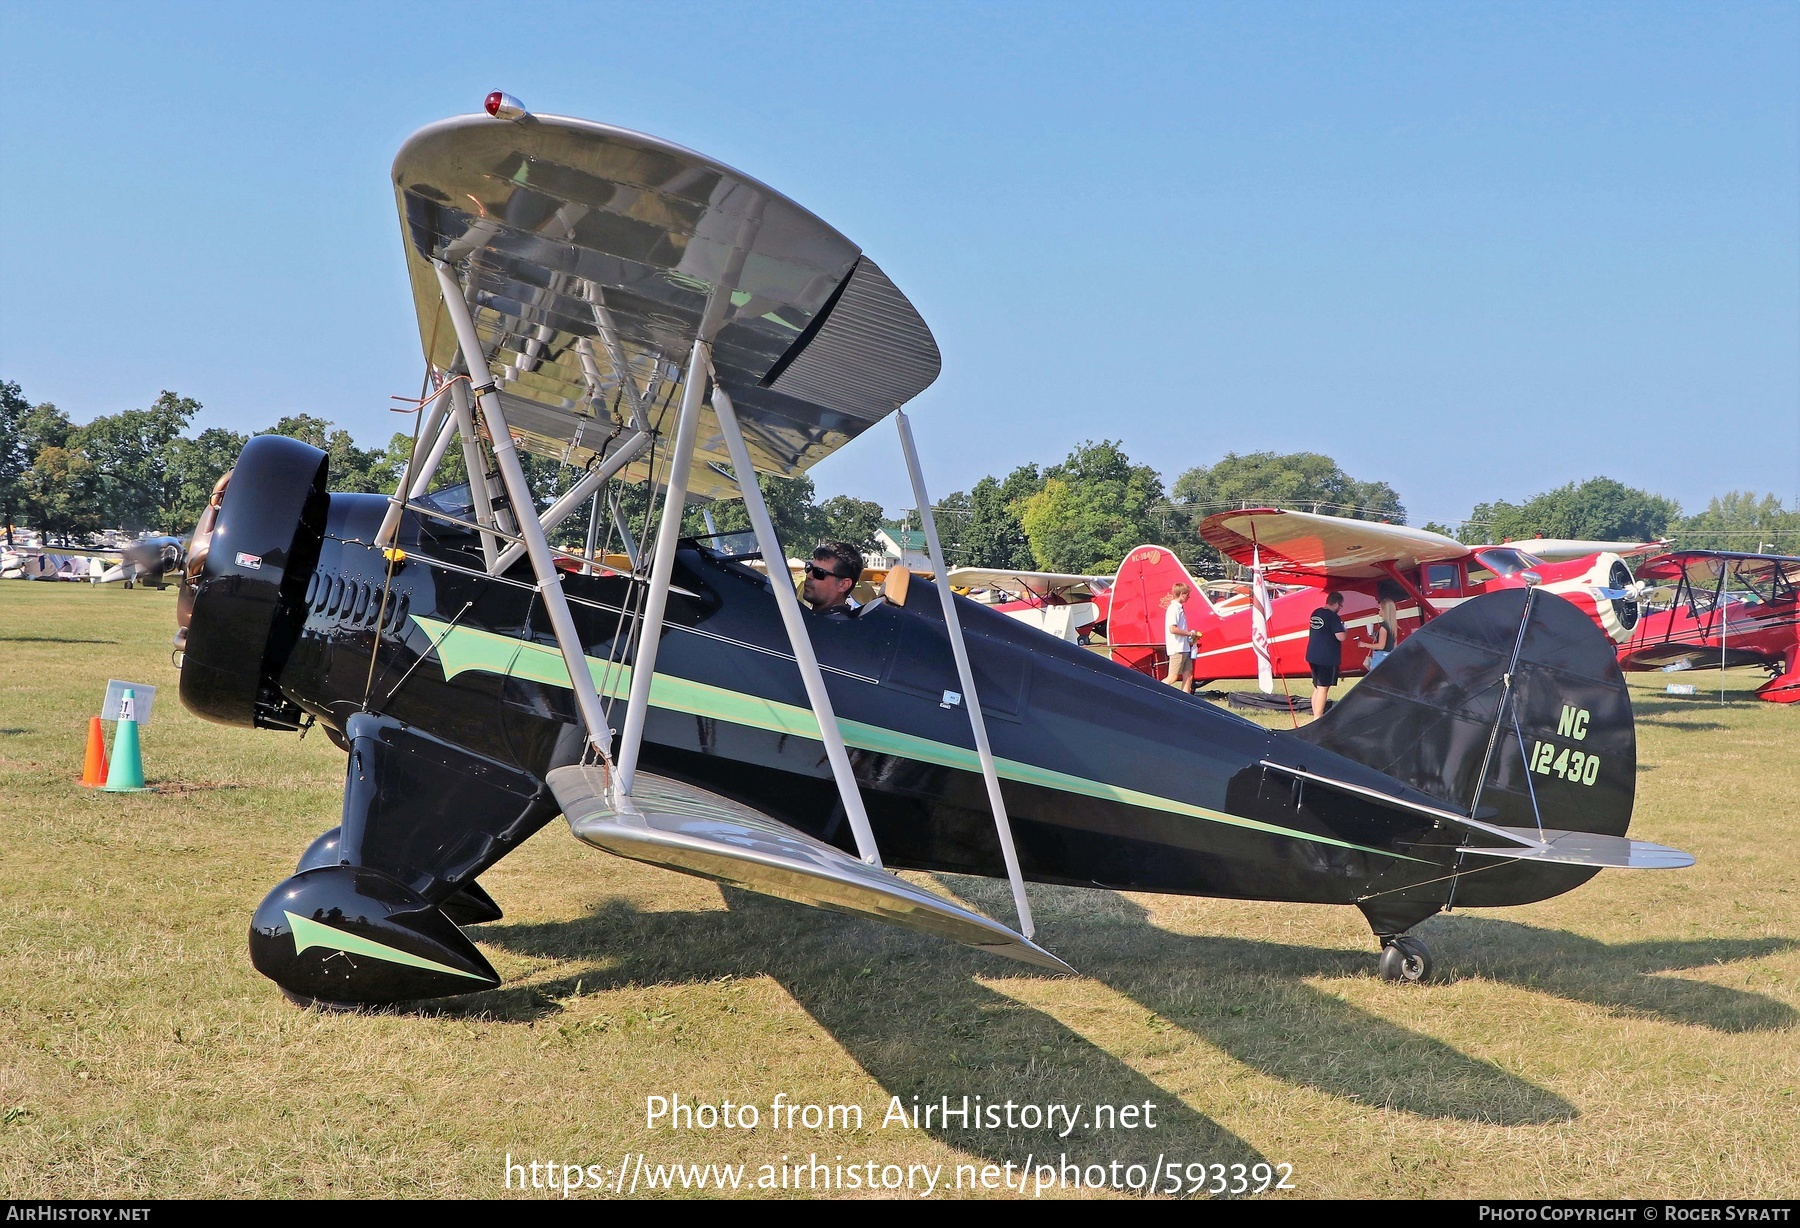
(137, 469)
(140, 470)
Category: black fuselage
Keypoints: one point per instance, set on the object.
(1111, 779)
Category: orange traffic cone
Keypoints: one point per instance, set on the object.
(93, 771)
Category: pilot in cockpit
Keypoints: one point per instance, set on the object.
(835, 568)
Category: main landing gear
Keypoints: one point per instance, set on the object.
(1404, 958)
(345, 937)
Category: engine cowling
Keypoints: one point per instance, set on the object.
(1610, 589)
(242, 601)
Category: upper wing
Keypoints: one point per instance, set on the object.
(1704, 567)
(1038, 582)
(593, 256)
(80, 552)
(1305, 546)
(1564, 549)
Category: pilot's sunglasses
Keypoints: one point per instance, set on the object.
(819, 573)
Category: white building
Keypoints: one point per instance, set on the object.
(903, 546)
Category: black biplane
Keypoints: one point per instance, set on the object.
(651, 316)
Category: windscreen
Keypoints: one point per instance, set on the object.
(738, 544)
(1508, 562)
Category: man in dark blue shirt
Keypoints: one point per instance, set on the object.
(1324, 650)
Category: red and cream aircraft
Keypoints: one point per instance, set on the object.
(1415, 574)
(1060, 604)
(1727, 609)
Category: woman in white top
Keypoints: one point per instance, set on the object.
(1381, 635)
(1179, 640)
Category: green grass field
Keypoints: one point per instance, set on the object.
(1636, 1037)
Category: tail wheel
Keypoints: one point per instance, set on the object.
(1405, 959)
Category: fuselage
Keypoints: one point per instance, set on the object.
(1141, 593)
(1071, 618)
(1111, 779)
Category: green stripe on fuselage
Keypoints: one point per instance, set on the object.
(465, 649)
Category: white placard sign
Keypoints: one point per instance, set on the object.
(143, 696)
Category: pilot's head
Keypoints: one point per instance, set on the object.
(1335, 600)
(835, 568)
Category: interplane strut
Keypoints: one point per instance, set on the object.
(518, 491)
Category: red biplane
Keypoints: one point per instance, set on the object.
(1727, 609)
(1392, 573)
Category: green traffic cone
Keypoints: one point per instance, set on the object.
(127, 768)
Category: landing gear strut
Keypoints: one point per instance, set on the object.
(1404, 958)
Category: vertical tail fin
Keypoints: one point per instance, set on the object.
(1511, 705)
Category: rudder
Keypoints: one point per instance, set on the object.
(1512, 705)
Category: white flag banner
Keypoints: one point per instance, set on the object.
(1259, 625)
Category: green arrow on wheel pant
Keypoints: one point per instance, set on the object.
(309, 933)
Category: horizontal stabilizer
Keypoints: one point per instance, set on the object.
(679, 827)
(1585, 848)
(1572, 848)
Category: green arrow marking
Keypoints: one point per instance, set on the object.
(308, 933)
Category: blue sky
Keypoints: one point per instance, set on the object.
(1473, 250)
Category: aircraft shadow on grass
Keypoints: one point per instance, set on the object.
(48, 639)
(1620, 977)
(912, 1014)
(908, 1010)
(1685, 724)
